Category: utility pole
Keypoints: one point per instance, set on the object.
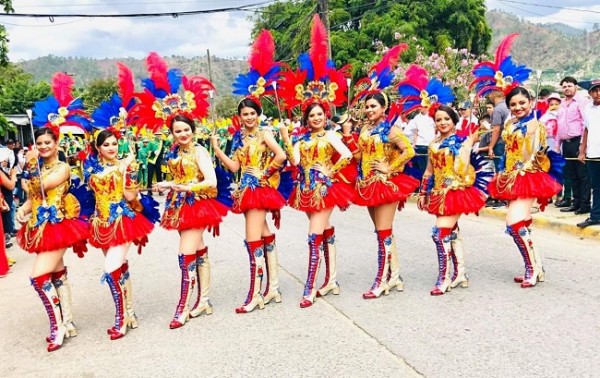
(324, 14)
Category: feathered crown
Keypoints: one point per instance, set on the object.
(381, 75)
(417, 90)
(161, 100)
(61, 109)
(316, 80)
(502, 74)
(112, 114)
(263, 71)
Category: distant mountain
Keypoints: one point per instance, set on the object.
(544, 47)
(564, 29)
(86, 70)
(557, 49)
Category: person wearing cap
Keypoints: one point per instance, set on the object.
(466, 116)
(550, 118)
(568, 139)
(590, 149)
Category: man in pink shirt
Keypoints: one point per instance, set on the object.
(570, 129)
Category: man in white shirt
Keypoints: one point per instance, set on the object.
(421, 131)
(590, 148)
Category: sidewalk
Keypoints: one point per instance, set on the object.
(552, 218)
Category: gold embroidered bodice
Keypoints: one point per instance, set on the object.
(450, 171)
(66, 205)
(108, 188)
(373, 148)
(184, 167)
(521, 148)
(315, 150)
(185, 171)
(254, 152)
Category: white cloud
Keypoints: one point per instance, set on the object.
(549, 11)
(225, 34)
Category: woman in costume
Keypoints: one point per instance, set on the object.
(120, 217)
(54, 224)
(260, 158)
(191, 206)
(318, 188)
(529, 171)
(382, 151)
(454, 182)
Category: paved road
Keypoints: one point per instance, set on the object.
(492, 329)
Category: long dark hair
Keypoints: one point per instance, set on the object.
(44, 131)
(185, 119)
(309, 109)
(517, 91)
(248, 103)
(101, 138)
(448, 110)
(381, 98)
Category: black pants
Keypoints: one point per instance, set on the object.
(576, 171)
(420, 158)
(594, 172)
(152, 169)
(7, 217)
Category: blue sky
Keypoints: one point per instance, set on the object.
(225, 34)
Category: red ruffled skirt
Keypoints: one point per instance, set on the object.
(539, 185)
(262, 197)
(122, 231)
(338, 194)
(203, 213)
(51, 237)
(397, 189)
(456, 201)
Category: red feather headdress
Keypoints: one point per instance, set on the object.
(263, 72)
(501, 74)
(381, 75)
(162, 100)
(316, 80)
(61, 109)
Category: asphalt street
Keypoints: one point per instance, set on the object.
(491, 329)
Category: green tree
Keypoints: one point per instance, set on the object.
(7, 7)
(97, 91)
(360, 27)
(18, 90)
(226, 106)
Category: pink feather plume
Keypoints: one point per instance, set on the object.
(319, 45)
(417, 76)
(125, 83)
(503, 49)
(157, 67)
(391, 57)
(263, 52)
(62, 88)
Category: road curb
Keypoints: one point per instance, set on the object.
(541, 219)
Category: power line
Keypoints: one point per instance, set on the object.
(544, 16)
(119, 3)
(174, 14)
(550, 6)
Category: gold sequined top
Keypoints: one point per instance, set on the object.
(450, 159)
(109, 192)
(374, 147)
(317, 149)
(254, 153)
(524, 148)
(65, 205)
(185, 171)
